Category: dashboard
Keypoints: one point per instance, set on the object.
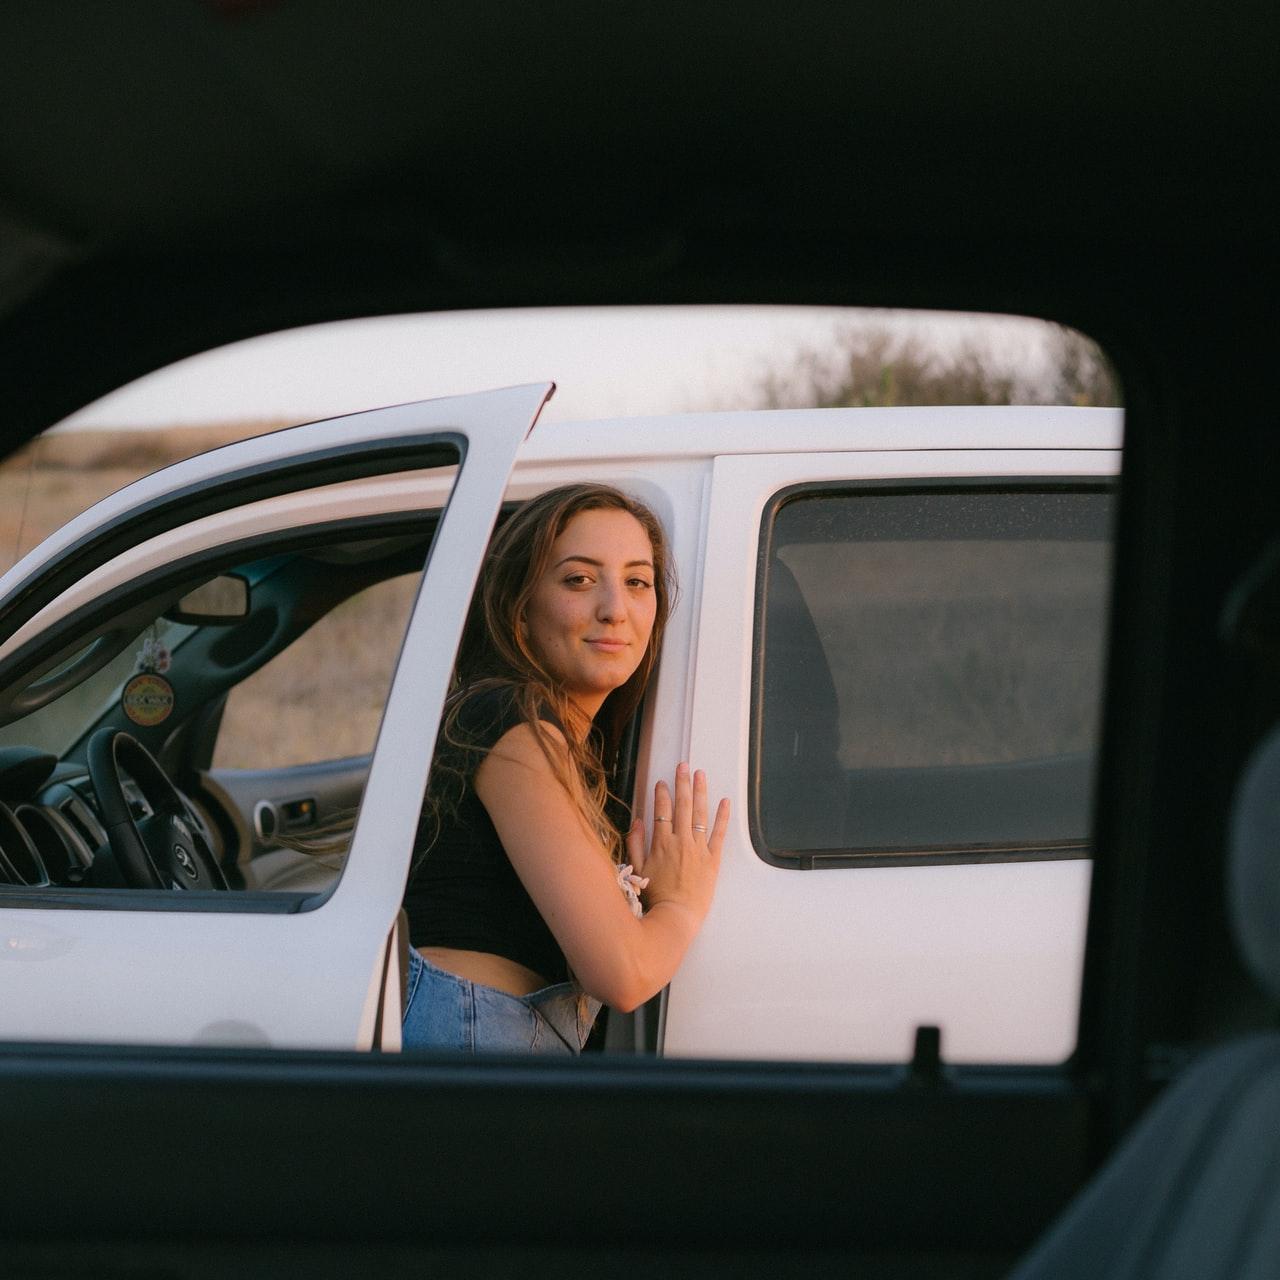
(51, 832)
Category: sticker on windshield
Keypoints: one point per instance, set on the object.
(147, 699)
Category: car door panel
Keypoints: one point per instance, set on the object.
(847, 961)
(264, 803)
(312, 977)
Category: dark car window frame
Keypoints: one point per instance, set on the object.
(845, 858)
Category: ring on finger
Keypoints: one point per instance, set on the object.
(658, 819)
(699, 827)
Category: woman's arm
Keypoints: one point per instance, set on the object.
(618, 959)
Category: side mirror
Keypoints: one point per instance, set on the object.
(223, 599)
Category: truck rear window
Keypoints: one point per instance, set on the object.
(929, 667)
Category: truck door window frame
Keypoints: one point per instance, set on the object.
(873, 856)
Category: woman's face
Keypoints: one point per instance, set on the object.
(591, 613)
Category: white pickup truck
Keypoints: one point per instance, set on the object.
(887, 652)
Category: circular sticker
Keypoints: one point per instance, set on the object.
(147, 699)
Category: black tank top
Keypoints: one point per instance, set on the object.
(463, 891)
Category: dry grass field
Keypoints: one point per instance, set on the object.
(322, 698)
(55, 477)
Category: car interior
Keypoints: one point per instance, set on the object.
(175, 176)
(239, 816)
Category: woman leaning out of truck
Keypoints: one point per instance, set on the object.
(524, 905)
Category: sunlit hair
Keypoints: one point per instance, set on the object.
(495, 652)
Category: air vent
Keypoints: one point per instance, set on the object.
(19, 861)
(83, 822)
(55, 845)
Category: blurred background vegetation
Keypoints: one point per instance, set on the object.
(875, 367)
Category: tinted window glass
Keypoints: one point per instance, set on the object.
(931, 670)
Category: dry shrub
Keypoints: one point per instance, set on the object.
(875, 368)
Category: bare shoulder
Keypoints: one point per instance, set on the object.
(524, 747)
(521, 784)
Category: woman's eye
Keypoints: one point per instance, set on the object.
(642, 583)
(578, 579)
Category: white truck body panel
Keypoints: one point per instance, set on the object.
(837, 963)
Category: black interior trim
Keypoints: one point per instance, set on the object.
(851, 1123)
(831, 859)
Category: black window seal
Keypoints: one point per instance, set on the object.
(920, 856)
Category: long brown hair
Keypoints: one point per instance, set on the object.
(495, 651)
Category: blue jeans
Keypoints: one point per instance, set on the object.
(444, 1011)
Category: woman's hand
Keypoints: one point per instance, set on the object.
(574, 883)
(683, 858)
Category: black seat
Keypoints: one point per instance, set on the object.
(1194, 1190)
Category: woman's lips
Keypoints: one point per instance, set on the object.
(608, 646)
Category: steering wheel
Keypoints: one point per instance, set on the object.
(163, 851)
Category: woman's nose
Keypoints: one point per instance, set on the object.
(611, 606)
